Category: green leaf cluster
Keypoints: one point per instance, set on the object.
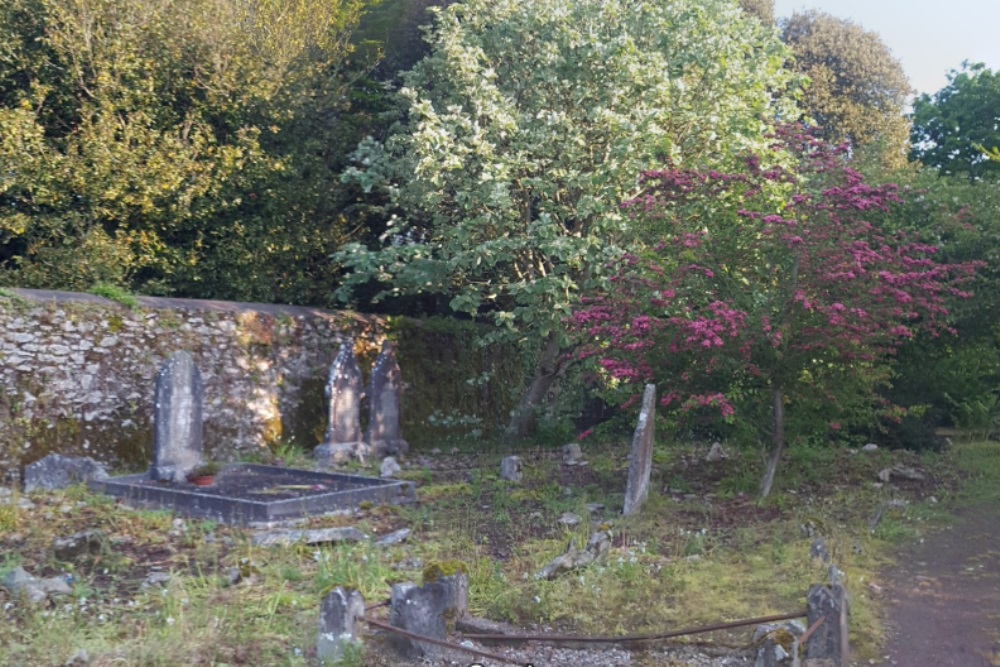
(950, 126)
(529, 123)
(172, 146)
(858, 89)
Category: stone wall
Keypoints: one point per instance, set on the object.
(77, 372)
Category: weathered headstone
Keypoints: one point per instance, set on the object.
(339, 620)
(510, 468)
(641, 457)
(829, 641)
(178, 440)
(818, 549)
(385, 386)
(389, 467)
(419, 610)
(56, 471)
(344, 391)
(572, 454)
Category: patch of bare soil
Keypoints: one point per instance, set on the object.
(944, 609)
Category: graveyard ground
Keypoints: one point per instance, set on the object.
(157, 590)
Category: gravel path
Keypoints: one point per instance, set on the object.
(553, 657)
(944, 609)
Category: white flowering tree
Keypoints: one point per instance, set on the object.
(527, 126)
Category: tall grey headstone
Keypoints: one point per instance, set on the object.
(339, 620)
(344, 390)
(384, 437)
(829, 642)
(640, 461)
(177, 418)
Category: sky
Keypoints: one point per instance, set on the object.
(929, 37)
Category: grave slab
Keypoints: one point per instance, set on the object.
(249, 493)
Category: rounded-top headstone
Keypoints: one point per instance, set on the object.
(177, 416)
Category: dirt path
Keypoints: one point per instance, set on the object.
(944, 606)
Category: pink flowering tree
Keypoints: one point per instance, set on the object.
(769, 292)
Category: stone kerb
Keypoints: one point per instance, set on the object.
(641, 456)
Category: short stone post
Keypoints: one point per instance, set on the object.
(510, 468)
(640, 462)
(339, 621)
(344, 391)
(776, 644)
(429, 610)
(177, 418)
(383, 436)
(827, 647)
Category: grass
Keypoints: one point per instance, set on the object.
(115, 293)
(704, 549)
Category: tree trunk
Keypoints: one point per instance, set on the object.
(778, 409)
(522, 422)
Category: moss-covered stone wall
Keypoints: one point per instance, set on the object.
(77, 374)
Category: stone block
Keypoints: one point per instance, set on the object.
(56, 471)
(829, 641)
(339, 624)
(510, 468)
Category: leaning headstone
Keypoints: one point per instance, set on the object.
(383, 436)
(829, 641)
(177, 416)
(339, 621)
(641, 457)
(344, 390)
(56, 471)
(510, 468)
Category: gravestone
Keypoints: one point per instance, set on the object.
(177, 418)
(383, 435)
(430, 610)
(344, 391)
(829, 641)
(510, 468)
(641, 457)
(339, 620)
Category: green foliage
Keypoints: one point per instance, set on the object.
(858, 88)
(465, 389)
(115, 293)
(762, 9)
(962, 217)
(526, 127)
(169, 146)
(950, 126)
